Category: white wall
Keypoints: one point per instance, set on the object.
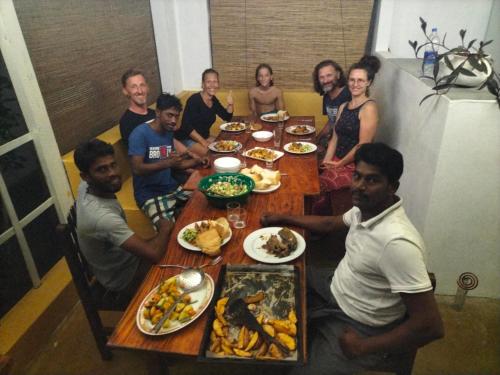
(182, 42)
(450, 184)
(493, 32)
(399, 22)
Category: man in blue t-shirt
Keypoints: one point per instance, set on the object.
(330, 82)
(154, 153)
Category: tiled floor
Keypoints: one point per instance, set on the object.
(471, 347)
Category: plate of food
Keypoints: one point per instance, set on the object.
(233, 126)
(265, 154)
(274, 245)
(163, 296)
(224, 146)
(266, 181)
(300, 147)
(275, 117)
(206, 236)
(300, 129)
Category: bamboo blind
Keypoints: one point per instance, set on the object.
(290, 35)
(79, 50)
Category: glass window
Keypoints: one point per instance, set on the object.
(42, 240)
(15, 281)
(4, 218)
(12, 124)
(24, 179)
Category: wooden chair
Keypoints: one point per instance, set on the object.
(401, 363)
(89, 290)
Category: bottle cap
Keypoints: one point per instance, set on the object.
(434, 29)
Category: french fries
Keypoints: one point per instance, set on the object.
(244, 343)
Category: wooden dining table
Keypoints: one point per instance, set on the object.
(299, 179)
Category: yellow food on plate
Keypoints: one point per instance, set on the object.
(225, 145)
(261, 153)
(209, 242)
(208, 235)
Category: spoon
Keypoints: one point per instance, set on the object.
(212, 193)
(189, 280)
(213, 262)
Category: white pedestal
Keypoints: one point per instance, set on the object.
(451, 182)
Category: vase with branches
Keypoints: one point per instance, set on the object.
(463, 66)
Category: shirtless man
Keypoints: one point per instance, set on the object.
(265, 97)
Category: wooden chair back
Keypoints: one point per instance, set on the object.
(84, 281)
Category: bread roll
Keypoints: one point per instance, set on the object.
(273, 176)
(256, 169)
(222, 227)
(246, 171)
(263, 184)
(282, 115)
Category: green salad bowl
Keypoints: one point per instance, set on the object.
(219, 198)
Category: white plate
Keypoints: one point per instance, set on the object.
(188, 246)
(290, 129)
(267, 118)
(313, 148)
(254, 241)
(269, 189)
(226, 126)
(212, 147)
(202, 296)
(277, 154)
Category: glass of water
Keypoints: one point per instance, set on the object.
(232, 211)
(241, 221)
(277, 137)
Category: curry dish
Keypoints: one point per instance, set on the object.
(226, 145)
(262, 154)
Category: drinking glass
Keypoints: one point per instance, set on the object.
(241, 221)
(242, 157)
(232, 211)
(248, 127)
(269, 165)
(277, 137)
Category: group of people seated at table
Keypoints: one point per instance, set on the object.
(378, 300)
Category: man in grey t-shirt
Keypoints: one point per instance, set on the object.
(114, 252)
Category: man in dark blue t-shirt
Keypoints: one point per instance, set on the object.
(330, 82)
(154, 153)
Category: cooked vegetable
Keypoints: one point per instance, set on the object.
(189, 235)
(227, 189)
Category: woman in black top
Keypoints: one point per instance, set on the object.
(200, 112)
(356, 124)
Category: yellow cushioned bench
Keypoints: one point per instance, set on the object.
(297, 103)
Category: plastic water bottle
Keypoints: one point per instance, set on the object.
(431, 52)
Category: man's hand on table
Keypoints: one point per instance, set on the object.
(268, 219)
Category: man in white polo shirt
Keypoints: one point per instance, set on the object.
(379, 299)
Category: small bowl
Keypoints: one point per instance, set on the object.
(262, 136)
(227, 164)
(220, 201)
